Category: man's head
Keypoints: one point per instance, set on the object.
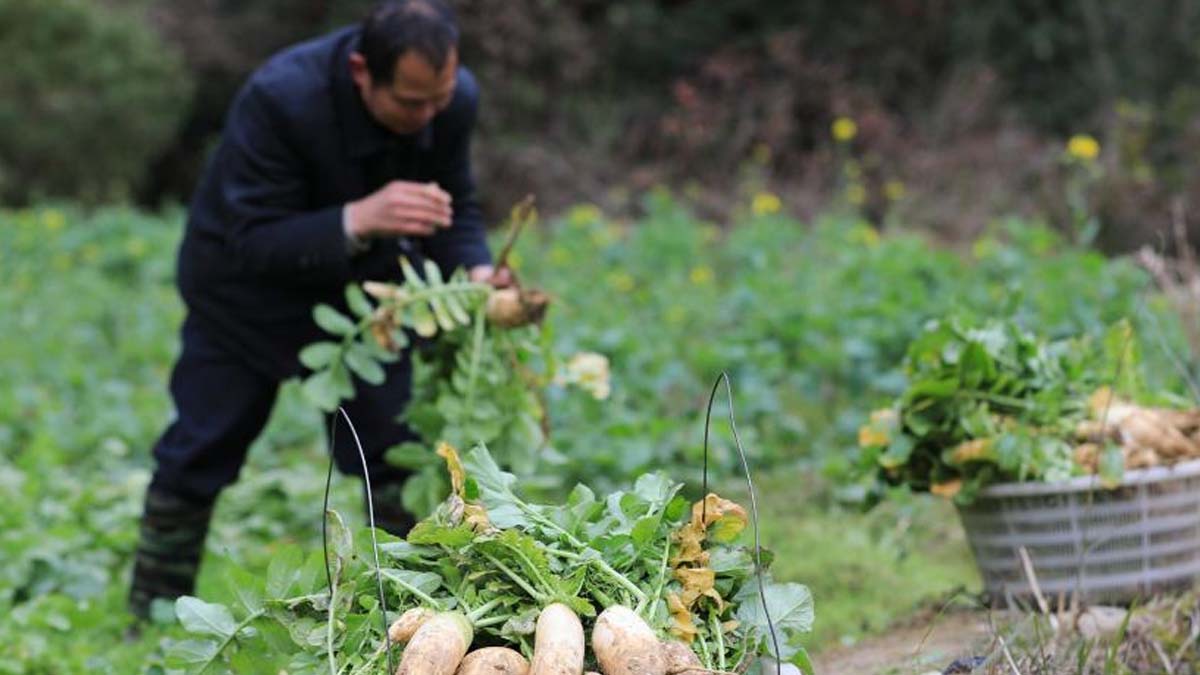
(406, 62)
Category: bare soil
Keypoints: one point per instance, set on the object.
(913, 649)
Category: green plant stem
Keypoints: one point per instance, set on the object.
(331, 621)
(516, 578)
(616, 576)
(714, 622)
(662, 579)
(422, 596)
(493, 620)
(708, 664)
(481, 610)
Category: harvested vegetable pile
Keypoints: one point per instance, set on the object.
(989, 403)
(491, 583)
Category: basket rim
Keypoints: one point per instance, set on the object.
(1092, 483)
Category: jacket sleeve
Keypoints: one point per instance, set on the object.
(265, 196)
(464, 243)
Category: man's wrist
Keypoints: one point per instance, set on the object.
(354, 244)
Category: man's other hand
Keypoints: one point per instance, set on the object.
(400, 208)
(501, 277)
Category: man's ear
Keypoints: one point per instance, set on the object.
(359, 72)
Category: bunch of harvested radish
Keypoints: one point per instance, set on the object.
(495, 584)
(492, 584)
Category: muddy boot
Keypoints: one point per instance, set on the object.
(390, 515)
(168, 553)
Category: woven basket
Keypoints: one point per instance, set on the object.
(1109, 545)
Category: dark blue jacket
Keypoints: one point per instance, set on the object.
(264, 239)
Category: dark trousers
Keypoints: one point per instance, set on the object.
(222, 405)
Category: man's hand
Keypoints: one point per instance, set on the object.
(502, 277)
(400, 208)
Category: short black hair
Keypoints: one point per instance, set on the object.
(392, 28)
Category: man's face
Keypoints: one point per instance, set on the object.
(416, 93)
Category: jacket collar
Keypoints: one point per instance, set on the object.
(362, 136)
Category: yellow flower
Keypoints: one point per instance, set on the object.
(675, 314)
(765, 204)
(53, 219)
(865, 234)
(1083, 147)
(621, 282)
(894, 190)
(844, 129)
(856, 194)
(701, 274)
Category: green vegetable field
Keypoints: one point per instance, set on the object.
(811, 320)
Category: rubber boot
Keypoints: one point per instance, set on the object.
(168, 554)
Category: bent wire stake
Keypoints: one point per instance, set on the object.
(758, 567)
(370, 518)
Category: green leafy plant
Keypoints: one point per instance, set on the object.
(374, 333)
(499, 559)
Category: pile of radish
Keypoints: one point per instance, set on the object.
(639, 583)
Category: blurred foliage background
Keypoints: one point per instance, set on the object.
(763, 186)
(960, 109)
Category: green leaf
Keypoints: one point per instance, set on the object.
(319, 354)
(408, 580)
(975, 366)
(320, 390)
(246, 587)
(493, 482)
(284, 571)
(898, 451)
(340, 540)
(802, 661)
(411, 455)
(183, 654)
(410, 275)
(444, 320)
(333, 321)
(198, 616)
(360, 361)
(357, 301)
(429, 533)
(421, 318)
(644, 530)
(457, 311)
(791, 609)
(339, 378)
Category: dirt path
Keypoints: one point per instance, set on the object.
(911, 650)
